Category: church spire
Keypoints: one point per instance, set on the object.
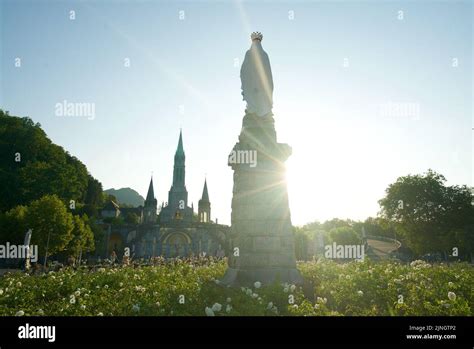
(177, 207)
(180, 149)
(205, 194)
(151, 194)
(204, 206)
(179, 164)
(151, 204)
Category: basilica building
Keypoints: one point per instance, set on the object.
(172, 230)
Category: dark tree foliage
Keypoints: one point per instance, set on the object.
(429, 215)
(43, 168)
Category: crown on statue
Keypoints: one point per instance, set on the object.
(256, 36)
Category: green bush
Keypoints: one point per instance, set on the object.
(185, 288)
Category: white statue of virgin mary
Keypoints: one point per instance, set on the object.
(256, 77)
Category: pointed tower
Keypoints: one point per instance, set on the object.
(177, 208)
(179, 167)
(204, 208)
(151, 204)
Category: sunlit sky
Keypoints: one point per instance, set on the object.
(335, 64)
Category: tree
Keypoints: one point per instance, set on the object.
(132, 218)
(99, 234)
(336, 223)
(31, 166)
(93, 195)
(430, 216)
(301, 243)
(379, 227)
(82, 237)
(114, 220)
(13, 225)
(49, 218)
(344, 236)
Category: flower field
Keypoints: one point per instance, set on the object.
(181, 288)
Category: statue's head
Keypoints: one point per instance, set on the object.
(256, 36)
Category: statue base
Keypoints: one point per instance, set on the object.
(262, 243)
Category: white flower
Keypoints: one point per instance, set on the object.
(228, 300)
(18, 284)
(452, 296)
(249, 292)
(286, 289)
(100, 314)
(321, 300)
(228, 308)
(106, 286)
(360, 293)
(72, 300)
(292, 288)
(20, 313)
(77, 293)
(217, 281)
(1, 291)
(270, 305)
(101, 270)
(158, 304)
(140, 288)
(121, 284)
(316, 306)
(136, 308)
(255, 295)
(40, 312)
(216, 307)
(83, 307)
(209, 311)
(450, 284)
(419, 264)
(257, 284)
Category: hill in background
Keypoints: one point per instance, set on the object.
(126, 196)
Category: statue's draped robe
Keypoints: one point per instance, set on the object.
(257, 80)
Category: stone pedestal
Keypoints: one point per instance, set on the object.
(261, 232)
